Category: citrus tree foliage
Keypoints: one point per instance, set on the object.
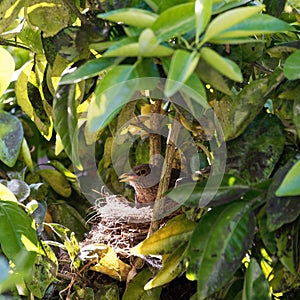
(76, 65)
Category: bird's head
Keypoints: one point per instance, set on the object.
(142, 176)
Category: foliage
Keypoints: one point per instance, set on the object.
(79, 68)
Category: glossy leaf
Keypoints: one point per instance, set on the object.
(115, 89)
(290, 185)
(26, 155)
(224, 65)
(18, 187)
(203, 9)
(66, 120)
(135, 289)
(6, 194)
(130, 16)
(230, 189)
(220, 6)
(17, 236)
(255, 25)
(182, 66)
(174, 21)
(291, 66)
(255, 284)
(217, 246)
(281, 210)
(7, 69)
(163, 241)
(172, 267)
(90, 69)
(11, 137)
(229, 19)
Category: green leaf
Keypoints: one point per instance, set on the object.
(11, 137)
(26, 155)
(6, 194)
(182, 66)
(29, 98)
(9, 10)
(287, 243)
(173, 234)
(255, 284)
(255, 25)
(90, 69)
(135, 289)
(49, 16)
(291, 67)
(229, 19)
(220, 6)
(290, 185)
(19, 188)
(224, 65)
(7, 69)
(130, 16)
(57, 181)
(114, 90)
(259, 149)
(203, 9)
(217, 246)
(230, 189)
(66, 120)
(174, 21)
(17, 236)
(281, 210)
(236, 114)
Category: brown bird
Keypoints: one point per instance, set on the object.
(145, 179)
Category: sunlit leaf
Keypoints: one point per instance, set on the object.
(224, 65)
(229, 19)
(203, 9)
(175, 21)
(130, 16)
(182, 66)
(6, 194)
(114, 90)
(7, 69)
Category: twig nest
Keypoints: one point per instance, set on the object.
(119, 224)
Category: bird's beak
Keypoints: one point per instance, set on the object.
(126, 177)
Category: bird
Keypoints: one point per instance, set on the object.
(145, 180)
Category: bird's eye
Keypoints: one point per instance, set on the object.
(142, 172)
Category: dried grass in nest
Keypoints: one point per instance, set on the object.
(119, 224)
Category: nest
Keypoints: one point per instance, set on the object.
(119, 224)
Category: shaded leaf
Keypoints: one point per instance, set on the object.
(18, 187)
(66, 120)
(281, 210)
(6, 194)
(11, 137)
(230, 189)
(57, 181)
(291, 66)
(217, 246)
(275, 7)
(255, 284)
(287, 242)
(135, 289)
(253, 156)
(236, 114)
